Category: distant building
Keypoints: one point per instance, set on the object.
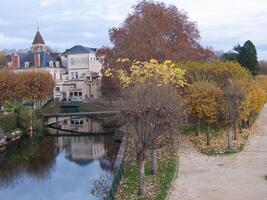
(39, 58)
(84, 72)
(76, 72)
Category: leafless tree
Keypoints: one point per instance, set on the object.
(152, 111)
(234, 95)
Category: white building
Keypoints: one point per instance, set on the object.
(78, 74)
(83, 73)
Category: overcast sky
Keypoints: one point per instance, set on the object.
(64, 23)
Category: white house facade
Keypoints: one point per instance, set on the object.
(76, 72)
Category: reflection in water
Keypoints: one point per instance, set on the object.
(54, 166)
(87, 125)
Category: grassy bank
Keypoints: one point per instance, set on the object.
(157, 186)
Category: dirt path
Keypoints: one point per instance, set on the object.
(232, 177)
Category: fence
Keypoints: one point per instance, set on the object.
(118, 169)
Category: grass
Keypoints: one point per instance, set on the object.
(160, 182)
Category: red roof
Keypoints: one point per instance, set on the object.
(38, 39)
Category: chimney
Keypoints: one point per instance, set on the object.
(15, 61)
(37, 60)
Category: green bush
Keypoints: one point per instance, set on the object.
(8, 122)
(39, 127)
(24, 118)
(39, 113)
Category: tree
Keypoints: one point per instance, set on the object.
(151, 104)
(14, 107)
(32, 85)
(255, 99)
(229, 56)
(3, 60)
(247, 56)
(215, 71)
(204, 100)
(153, 31)
(10, 86)
(234, 95)
(152, 110)
(37, 85)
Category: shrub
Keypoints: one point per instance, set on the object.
(8, 122)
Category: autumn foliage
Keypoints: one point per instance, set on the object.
(32, 85)
(152, 30)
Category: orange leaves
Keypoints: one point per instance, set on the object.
(38, 85)
(30, 85)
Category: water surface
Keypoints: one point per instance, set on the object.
(57, 168)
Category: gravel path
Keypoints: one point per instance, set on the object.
(233, 177)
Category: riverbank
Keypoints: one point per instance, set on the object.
(157, 186)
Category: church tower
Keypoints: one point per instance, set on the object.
(38, 44)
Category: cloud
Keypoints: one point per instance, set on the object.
(47, 2)
(13, 41)
(222, 24)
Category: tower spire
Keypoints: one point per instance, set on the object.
(37, 25)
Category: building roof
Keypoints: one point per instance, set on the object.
(44, 59)
(77, 49)
(38, 39)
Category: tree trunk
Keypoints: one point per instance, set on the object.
(235, 131)
(208, 136)
(198, 128)
(230, 137)
(142, 173)
(154, 161)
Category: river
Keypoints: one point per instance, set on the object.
(59, 167)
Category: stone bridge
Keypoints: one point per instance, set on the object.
(55, 117)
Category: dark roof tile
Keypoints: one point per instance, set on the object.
(38, 39)
(79, 49)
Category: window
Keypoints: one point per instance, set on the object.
(55, 75)
(58, 89)
(72, 61)
(71, 94)
(72, 75)
(27, 64)
(75, 94)
(80, 94)
(57, 63)
(91, 60)
(94, 60)
(76, 75)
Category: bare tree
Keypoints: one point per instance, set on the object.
(152, 111)
(234, 95)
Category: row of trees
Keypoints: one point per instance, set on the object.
(160, 94)
(34, 85)
(158, 97)
(223, 94)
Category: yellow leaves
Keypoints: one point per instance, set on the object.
(163, 73)
(255, 99)
(203, 100)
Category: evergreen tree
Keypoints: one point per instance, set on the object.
(247, 56)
